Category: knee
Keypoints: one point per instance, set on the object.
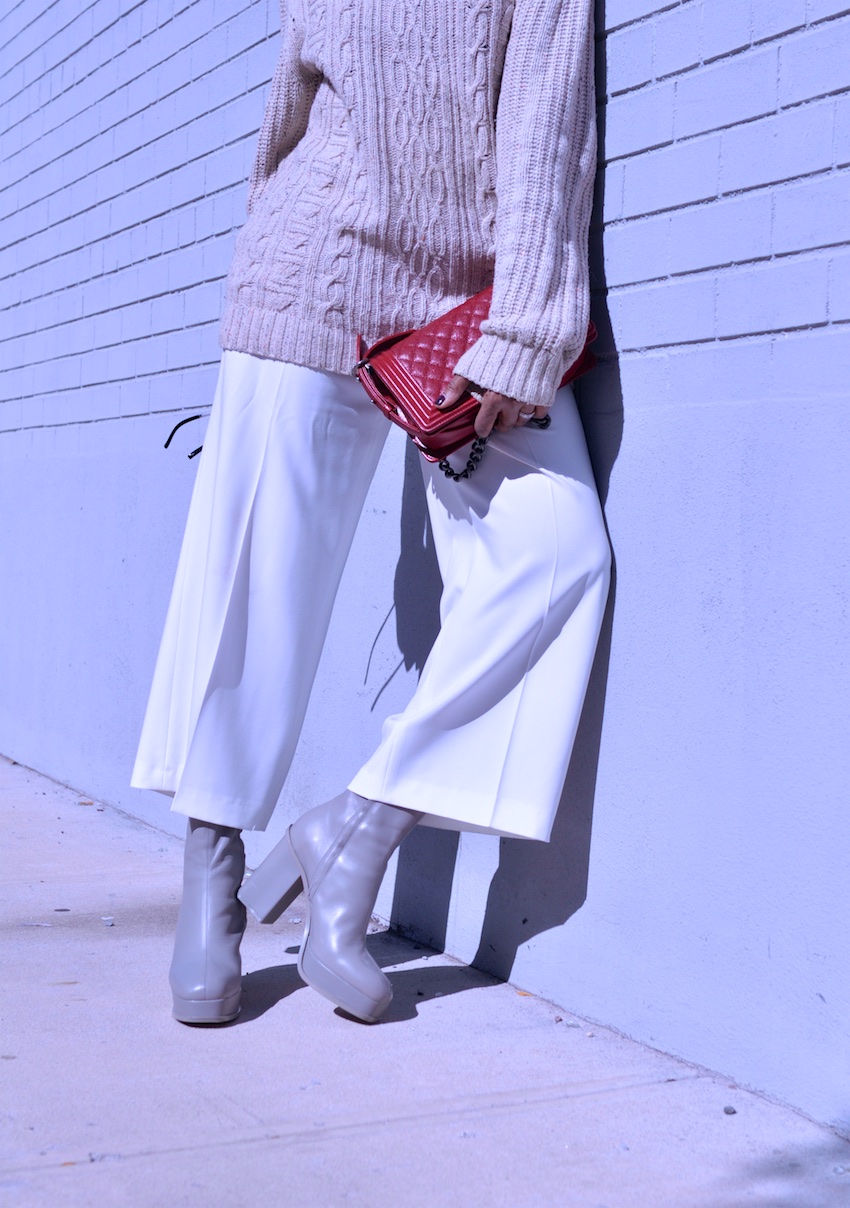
(599, 552)
(583, 543)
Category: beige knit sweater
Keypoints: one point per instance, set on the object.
(384, 193)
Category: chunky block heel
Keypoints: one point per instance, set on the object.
(339, 853)
(275, 884)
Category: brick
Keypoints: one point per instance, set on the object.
(136, 321)
(106, 328)
(239, 119)
(56, 407)
(628, 58)
(608, 196)
(224, 168)
(229, 209)
(811, 364)
(636, 251)
(63, 373)
(123, 287)
(149, 355)
(32, 412)
(742, 370)
(245, 30)
(11, 415)
(813, 214)
(725, 28)
(217, 255)
(668, 313)
(213, 48)
(641, 377)
(819, 9)
(839, 288)
(789, 144)
(134, 397)
(779, 295)
(773, 17)
(638, 121)
(814, 64)
(93, 403)
(183, 269)
(197, 386)
(92, 368)
(202, 304)
(184, 349)
(720, 233)
(842, 129)
(205, 218)
(619, 12)
(166, 313)
(187, 183)
(727, 92)
(186, 226)
(676, 39)
(120, 363)
(672, 176)
(16, 383)
(727, 371)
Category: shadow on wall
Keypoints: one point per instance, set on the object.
(537, 886)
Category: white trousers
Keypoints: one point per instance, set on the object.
(485, 741)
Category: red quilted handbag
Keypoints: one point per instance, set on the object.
(404, 373)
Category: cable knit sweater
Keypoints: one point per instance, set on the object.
(384, 192)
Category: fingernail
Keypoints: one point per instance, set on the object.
(439, 400)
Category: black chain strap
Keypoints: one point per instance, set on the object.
(475, 455)
(477, 452)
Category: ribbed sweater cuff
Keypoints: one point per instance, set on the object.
(531, 375)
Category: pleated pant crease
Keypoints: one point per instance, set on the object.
(485, 741)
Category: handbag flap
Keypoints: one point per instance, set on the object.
(430, 354)
(417, 367)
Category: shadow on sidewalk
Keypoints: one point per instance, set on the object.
(264, 989)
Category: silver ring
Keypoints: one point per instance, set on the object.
(526, 414)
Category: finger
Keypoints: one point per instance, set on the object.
(488, 414)
(495, 409)
(452, 393)
(509, 417)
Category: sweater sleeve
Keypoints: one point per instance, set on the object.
(289, 102)
(546, 160)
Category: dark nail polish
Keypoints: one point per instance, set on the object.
(439, 400)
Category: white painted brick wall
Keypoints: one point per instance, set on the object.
(721, 282)
(129, 131)
(128, 134)
(726, 142)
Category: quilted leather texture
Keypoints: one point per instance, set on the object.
(430, 354)
(404, 373)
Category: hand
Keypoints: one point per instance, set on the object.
(498, 412)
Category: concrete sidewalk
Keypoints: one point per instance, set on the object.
(469, 1093)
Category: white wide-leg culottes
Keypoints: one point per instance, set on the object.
(485, 741)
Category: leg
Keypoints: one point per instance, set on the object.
(488, 734)
(288, 458)
(487, 737)
(206, 971)
(287, 462)
(339, 853)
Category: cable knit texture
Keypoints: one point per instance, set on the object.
(384, 193)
